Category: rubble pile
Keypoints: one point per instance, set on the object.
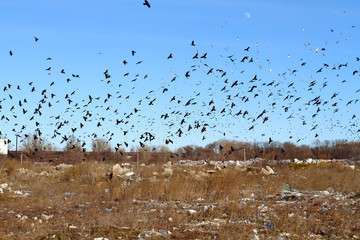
(7, 192)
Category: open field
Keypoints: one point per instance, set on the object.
(88, 201)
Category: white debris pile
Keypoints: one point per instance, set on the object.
(167, 169)
(48, 171)
(122, 172)
(247, 163)
(159, 233)
(63, 167)
(4, 185)
(4, 188)
(267, 171)
(24, 171)
(200, 174)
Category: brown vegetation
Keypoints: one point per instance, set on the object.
(34, 147)
(226, 150)
(81, 202)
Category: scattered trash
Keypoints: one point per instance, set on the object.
(192, 211)
(129, 174)
(268, 225)
(167, 172)
(46, 217)
(72, 227)
(62, 167)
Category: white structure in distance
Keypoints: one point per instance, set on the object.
(4, 146)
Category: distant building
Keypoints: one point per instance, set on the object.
(4, 146)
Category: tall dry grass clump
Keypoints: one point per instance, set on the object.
(84, 173)
(10, 166)
(321, 177)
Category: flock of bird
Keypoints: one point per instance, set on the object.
(230, 99)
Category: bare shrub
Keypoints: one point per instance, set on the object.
(85, 172)
(73, 150)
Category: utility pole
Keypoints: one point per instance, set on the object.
(245, 157)
(137, 161)
(244, 153)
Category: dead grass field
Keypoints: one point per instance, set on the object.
(81, 202)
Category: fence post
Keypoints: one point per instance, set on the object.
(245, 157)
(137, 161)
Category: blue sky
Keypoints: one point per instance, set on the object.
(89, 37)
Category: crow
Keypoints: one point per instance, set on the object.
(146, 3)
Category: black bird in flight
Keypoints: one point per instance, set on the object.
(11, 53)
(36, 39)
(204, 56)
(146, 3)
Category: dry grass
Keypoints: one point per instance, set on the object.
(80, 202)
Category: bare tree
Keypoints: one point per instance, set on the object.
(33, 143)
(101, 145)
